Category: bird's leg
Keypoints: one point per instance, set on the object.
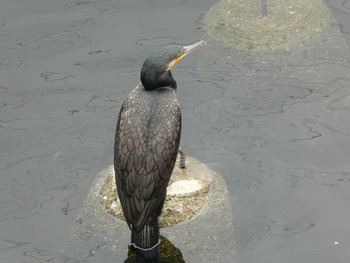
(182, 158)
(182, 164)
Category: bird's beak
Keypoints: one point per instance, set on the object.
(188, 49)
(185, 51)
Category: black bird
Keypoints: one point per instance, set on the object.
(146, 145)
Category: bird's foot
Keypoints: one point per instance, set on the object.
(182, 158)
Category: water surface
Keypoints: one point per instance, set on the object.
(274, 125)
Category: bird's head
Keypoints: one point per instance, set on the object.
(155, 71)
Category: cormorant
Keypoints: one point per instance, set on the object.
(146, 145)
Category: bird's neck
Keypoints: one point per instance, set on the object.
(167, 80)
(164, 80)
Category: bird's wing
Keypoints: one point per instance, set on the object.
(145, 153)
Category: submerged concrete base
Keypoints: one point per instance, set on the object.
(264, 25)
(206, 237)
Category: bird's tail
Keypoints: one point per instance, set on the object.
(145, 241)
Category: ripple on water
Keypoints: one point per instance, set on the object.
(42, 40)
(256, 229)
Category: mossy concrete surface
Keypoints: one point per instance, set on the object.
(186, 193)
(261, 25)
